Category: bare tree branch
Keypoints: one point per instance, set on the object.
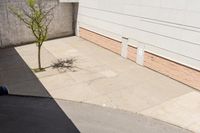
(37, 17)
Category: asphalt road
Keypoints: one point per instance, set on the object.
(20, 114)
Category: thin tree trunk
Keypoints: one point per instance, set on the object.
(39, 59)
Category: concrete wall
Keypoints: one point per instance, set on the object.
(13, 32)
(168, 28)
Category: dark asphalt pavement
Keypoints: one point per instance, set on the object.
(20, 114)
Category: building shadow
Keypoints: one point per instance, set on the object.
(30, 108)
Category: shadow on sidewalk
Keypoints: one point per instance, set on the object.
(28, 114)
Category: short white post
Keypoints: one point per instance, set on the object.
(140, 54)
(124, 50)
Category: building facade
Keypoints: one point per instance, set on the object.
(163, 35)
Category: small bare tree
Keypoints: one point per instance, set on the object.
(37, 16)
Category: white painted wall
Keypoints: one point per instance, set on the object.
(169, 28)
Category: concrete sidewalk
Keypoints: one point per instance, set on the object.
(103, 78)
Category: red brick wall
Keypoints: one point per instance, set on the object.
(101, 40)
(172, 69)
(132, 53)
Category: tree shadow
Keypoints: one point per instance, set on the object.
(64, 65)
(31, 109)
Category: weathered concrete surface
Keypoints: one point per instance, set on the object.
(183, 110)
(13, 32)
(44, 115)
(101, 78)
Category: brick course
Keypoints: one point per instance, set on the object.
(172, 69)
(132, 53)
(103, 41)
